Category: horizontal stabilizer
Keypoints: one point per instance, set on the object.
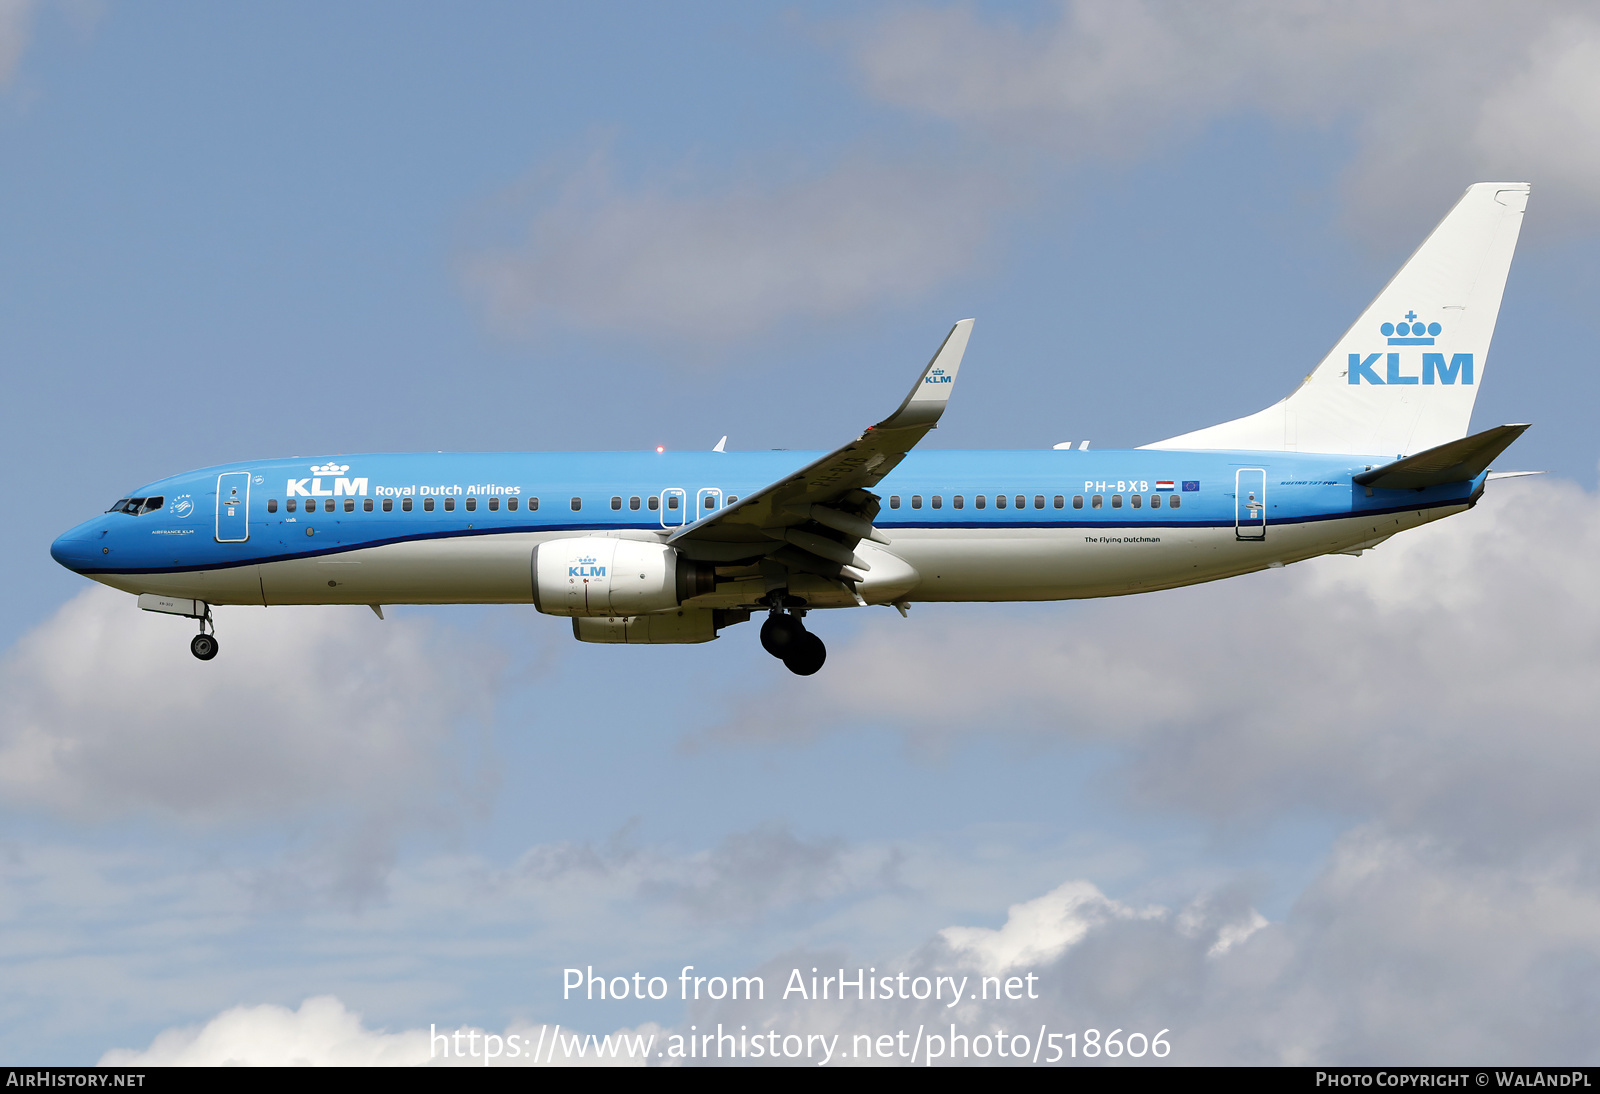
(1453, 461)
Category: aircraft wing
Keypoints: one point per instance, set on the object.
(812, 520)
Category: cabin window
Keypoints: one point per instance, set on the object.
(1022, 502)
(472, 505)
(511, 505)
(894, 501)
(1077, 501)
(1061, 502)
(289, 506)
(1137, 500)
(577, 504)
(655, 503)
(732, 498)
(405, 505)
(616, 504)
(366, 505)
(916, 501)
(1096, 502)
(272, 505)
(1174, 501)
(936, 501)
(633, 502)
(1155, 501)
(1038, 501)
(449, 505)
(388, 505)
(710, 501)
(1116, 501)
(672, 501)
(494, 505)
(427, 505)
(980, 500)
(999, 501)
(959, 501)
(327, 506)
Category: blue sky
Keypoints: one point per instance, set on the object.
(231, 232)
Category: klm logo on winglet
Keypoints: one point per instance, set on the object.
(937, 376)
(586, 568)
(1411, 332)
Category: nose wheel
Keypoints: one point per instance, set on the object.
(785, 637)
(204, 645)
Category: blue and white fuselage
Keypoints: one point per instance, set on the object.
(441, 528)
(655, 547)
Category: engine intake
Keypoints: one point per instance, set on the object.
(601, 576)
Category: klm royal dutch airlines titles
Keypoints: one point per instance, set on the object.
(657, 547)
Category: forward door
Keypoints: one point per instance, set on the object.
(233, 507)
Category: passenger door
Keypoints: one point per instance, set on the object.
(233, 507)
(1250, 503)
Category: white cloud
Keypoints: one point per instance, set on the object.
(1039, 930)
(705, 264)
(1439, 691)
(323, 1033)
(1436, 93)
(1442, 682)
(321, 718)
(103, 711)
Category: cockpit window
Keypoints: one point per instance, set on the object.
(135, 506)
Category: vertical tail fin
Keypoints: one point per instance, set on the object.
(1405, 376)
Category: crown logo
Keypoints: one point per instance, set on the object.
(1412, 332)
(330, 469)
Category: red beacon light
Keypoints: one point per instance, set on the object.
(661, 448)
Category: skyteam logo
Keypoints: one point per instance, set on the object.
(181, 506)
(937, 376)
(585, 567)
(342, 487)
(1411, 331)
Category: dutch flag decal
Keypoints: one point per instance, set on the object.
(1164, 484)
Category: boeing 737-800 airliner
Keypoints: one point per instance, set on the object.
(656, 547)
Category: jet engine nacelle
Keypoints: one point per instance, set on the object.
(598, 575)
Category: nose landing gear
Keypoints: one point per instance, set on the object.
(203, 645)
(785, 637)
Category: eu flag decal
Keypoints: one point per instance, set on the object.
(1190, 485)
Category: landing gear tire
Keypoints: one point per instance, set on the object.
(203, 646)
(808, 656)
(781, 634)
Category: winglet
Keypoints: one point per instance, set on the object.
(932, 390)
(721, 446)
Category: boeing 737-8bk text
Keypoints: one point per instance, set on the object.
(668, 547)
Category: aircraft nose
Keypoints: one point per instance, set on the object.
(78, 548)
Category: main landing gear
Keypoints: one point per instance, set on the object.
(785, 637)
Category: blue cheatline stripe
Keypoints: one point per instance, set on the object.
(463, 533)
